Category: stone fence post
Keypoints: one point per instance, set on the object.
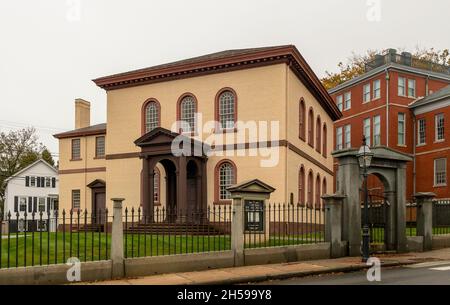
(333, 223)
(117, 255)
(237, 231)
(424, 218)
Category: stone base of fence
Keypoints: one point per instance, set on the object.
(102, 270)
(414, 243)
(441, 241)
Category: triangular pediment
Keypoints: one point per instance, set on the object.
(251, 186)
(156, 136)
(97, 184)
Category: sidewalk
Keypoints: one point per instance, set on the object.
(250, 274)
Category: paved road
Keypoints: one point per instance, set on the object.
(435, 273)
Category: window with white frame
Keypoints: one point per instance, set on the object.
(227, 110)
(75, 199)
(401, 129)
(411, 88)
(41, 206)
(347, 100)
(366, 130)
(339, 138)
(226, 179)
(76, 151)
(376, 130)
(151, 116)
(187, 114)
(348, 136)
(100, 147)
(439, 126)
(32, 181)
(376, 89)
(366, 93)
(339, 102)
(22, 204)
(401, 86)
(421, 129)
(440, 172)
(47, 182)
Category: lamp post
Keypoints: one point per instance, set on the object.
(365, 158)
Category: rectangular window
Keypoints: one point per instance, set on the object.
(33, 181)
(41, 206)
(411, 88)
(339, 102)
(366, 93)
(401, 86)
(339, 138)
(401, 129)
(22, 204)
(440, 172)
(76, 144)
(348, 136)
(99, 147)
(366, 131)
(421, 127)
(439, 126)
(376, 89)
(75, 199)
(376, 130)
(47, 182)
(347, 100)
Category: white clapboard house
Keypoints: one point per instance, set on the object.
(33, 189)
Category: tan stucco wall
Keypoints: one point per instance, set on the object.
(87, 151)
(69, 182)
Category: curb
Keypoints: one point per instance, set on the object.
(296, 274)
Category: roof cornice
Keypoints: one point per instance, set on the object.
(390, 66)
(285, 54)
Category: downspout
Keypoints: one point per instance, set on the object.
(414, 150)
(286, 92)
(387, 107)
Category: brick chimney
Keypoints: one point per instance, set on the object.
(82, 113)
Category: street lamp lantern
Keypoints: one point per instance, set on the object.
(365, 159)
(364, 156)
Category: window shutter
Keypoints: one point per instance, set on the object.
(27, 181)
(53, 182)
(35, 204)
(38, 181)
(16, 204)
(48, 204)
(42, 181)
(30, 204)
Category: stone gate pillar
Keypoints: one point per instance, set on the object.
(425, 218)
(333, 223)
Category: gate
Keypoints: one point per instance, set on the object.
(378, 213)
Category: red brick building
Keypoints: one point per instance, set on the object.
(381, 105)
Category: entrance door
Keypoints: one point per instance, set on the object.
(378, 218)
(99, 207)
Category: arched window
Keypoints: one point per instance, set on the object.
(310, 189)
(324, 140)
(301, 186)
(226, 113)
(318, 135)
(156, 185)
(187, 110)
(324, 188)
(311, 127)
(151, 115)
(302, 119)
(318, 192)
(225, 177)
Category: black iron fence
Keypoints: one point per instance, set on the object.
(46, 238)
(276, 225)
(441, 217)
(168, 231)
(411, 219)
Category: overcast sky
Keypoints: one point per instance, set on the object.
(50, 50)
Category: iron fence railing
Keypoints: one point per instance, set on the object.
(46, 238)
(411, 219)
(168, 231)
(276, 225)
(441, 217)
